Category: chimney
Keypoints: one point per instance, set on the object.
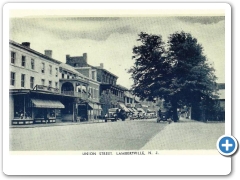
(67, 58)
(48, 53)
(85, 57)
(26, 44)
(101, 65)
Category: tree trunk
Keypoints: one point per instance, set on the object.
(174, 113)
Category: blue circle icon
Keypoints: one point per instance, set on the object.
(227, 145)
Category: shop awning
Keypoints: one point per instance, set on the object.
(150, 110)
(123, 107)
(130, 109)
(94, 106)
(141, 110)
(134, 110)
(41, 103)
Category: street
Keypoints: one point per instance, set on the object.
(120, 135)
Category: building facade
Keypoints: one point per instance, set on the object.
(34, 85)
(45, 90)
(110, 94)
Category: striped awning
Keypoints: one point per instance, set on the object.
(41, 103)
(141, 110)
(123, 107)
(94, 106)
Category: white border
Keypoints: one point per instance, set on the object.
(126, 165)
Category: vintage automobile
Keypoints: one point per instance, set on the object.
(164, 115)
(111, 115)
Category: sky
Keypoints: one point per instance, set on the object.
(110, 40)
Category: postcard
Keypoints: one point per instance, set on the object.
(117, 89)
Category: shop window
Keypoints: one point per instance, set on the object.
(52, 113)
(21, 112)
(40, 113)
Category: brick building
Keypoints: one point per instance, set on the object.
(111, 94)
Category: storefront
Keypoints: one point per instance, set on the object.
(29, 108)
(88, 111)
(44, 111)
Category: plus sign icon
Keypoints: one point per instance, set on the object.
(227, 145)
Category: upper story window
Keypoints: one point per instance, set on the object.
(23, 61)
(12, 78)
(50, 69)
(22, 80)
(13, 57)
(56, 84)
(50, 83)
(62, 76)
(67, 76)
(43, 67)
(56, 72)
(31, 82)
(32, 64)
(93, 75)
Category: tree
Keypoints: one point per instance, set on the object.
(150, 68)
(178, 72)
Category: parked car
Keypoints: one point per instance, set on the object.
(164, 115)
(150, 115)
(111, 115)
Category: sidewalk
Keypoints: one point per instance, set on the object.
(190, 135)
(60, 124)
(56, 124)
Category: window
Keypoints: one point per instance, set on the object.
(12, 78)
(23, 61)
(93, 75)
(22, 80)
(43, 67)
(56, 72)
(62, 76)
(13, 57)
(56, 84)
(50, 84)
(31, 82)
(32, 63)
(43, 82)
(67, 76)
(50, 69)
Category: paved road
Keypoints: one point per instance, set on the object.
(128, 135)
(187, 135)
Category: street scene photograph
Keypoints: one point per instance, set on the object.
(116, 83)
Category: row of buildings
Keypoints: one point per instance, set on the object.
(45, 89)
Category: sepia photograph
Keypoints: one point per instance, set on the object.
(125, 83)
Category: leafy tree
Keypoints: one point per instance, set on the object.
(150, 68)
(178, 72)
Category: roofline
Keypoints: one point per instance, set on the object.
(33, 51)
(97, 67)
